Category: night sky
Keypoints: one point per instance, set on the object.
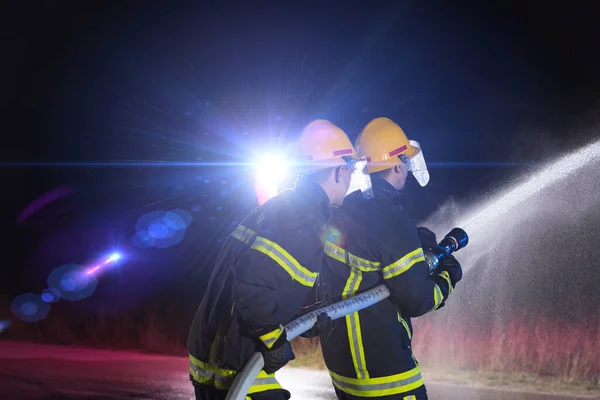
(89, 86)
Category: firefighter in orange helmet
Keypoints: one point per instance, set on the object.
(266, 268)
(369, 353)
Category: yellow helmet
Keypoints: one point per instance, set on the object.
(323, 145)
(381, 142)
(384, 144)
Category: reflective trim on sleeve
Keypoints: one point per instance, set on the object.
(267, 382)
(244, 234)
(353, 327)
(220, 378)
(285, 261)
(361, 264)
(382, 386)
(208, 374)
(438, 297)
(269, 338)
(446, 276)
(403, 264)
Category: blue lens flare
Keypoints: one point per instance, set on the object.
(143, 240)
(74, 282)
(29, 307)
(162, 229)
(4, 324)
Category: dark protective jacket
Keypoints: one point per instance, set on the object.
(263, 275)
(368, 353)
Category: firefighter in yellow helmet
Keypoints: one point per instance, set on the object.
(369, 353)
(266, 268)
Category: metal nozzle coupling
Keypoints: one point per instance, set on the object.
(453, 241)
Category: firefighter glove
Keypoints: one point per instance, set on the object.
(452, 266)
(278, 355)
(427, 238)
(323, 325)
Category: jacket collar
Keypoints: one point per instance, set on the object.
(383, 188)
(315, 197)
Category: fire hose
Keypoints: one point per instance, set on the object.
(455, 240)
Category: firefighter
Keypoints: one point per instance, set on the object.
(265, 270)
(368, 353)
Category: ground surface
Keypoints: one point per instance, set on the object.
(34, 371)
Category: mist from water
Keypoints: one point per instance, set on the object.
(574, 179)
(533, 244)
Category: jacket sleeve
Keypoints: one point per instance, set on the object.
(276, 274)
(406, 273)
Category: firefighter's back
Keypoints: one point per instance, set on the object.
(368, 354)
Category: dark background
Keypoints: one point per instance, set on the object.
(483, 87)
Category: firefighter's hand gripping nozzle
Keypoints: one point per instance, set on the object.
(455, 240)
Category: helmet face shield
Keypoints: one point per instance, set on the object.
(360, 178)
(417, 166)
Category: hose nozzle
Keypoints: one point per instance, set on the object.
(455, 240)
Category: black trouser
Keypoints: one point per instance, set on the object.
(417, 394)
(206, 392)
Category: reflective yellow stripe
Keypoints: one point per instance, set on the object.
(403, 264)
(277, 253)
(382, 386)
(358, 265)
(207, 374)
(221, 378)
(446, 276)
(261, 384)
(269, 338)
(335, 252)
(285, 260)
(353, 327)
(438, 297)
(403, 321)
(363, 264)
(215, 344)
(410, 397)
(340, 254)
(244, 234)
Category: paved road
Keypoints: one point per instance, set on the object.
(33, 371)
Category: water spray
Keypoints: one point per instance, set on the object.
(455, 240)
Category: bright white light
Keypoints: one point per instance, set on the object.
(271, 170)
(114, 257)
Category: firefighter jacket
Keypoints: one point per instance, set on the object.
(262, 276)
(368, 353)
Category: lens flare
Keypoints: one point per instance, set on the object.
(271, 170)
(110, 259)
(29, 307)
(4, 324)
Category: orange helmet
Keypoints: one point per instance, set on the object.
(323, 145)
(384, 144)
